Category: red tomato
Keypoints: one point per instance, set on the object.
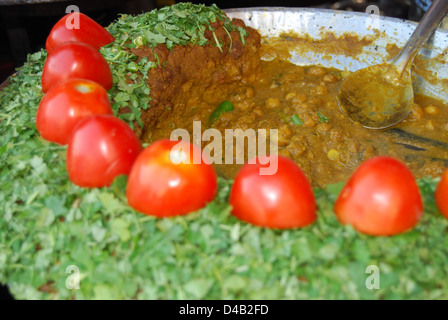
(87, 31)
(101, 148)
(281, 200)
(441, 194)
(381, 198)
(66, 104)
(157, 186)
(75, 60)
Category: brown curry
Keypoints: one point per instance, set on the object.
(298, 101)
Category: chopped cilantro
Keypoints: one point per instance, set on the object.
(296, 120)
(243, 34)
(225, 106)
(180, 24)
(323, 118)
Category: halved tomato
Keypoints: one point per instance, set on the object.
(75, 60)
(66, 104)
(101, 148)
(77, 26)
(279, 199)
(441, 194)
(167, 180)
(381, 198)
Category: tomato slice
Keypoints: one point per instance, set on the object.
(75, 60)
(381, 198)
(159, 186)
(79, 27)
(101, 148)
(66, 104)
(441, 194)
(280, 200)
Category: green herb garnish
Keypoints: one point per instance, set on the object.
(296, 120)
(323, 118)
(180, 24)
(225, 106)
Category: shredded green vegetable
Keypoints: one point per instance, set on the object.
(296, 120)
(323, 118)
(48, 224)
(180, 24)
(225, 106)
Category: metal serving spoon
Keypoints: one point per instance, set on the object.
(380, 96)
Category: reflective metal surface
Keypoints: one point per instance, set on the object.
(429, 76)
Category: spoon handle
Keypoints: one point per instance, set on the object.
(422, 33)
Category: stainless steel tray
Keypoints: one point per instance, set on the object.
(430, 77)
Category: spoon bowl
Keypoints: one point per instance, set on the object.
(377, 97)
